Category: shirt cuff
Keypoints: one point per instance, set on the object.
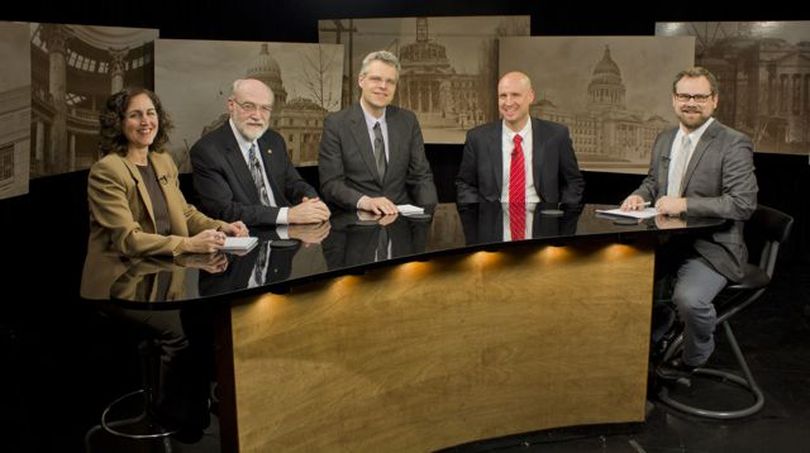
(281, 219)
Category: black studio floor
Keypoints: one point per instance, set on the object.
(57, 377)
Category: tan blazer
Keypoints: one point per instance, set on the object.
(121, 214)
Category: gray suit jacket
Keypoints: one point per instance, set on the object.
(346, 160)
(555, 170)
(719, 182)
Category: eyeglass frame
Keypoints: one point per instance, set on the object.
(250, 107)
(698, 98)
(379, 80)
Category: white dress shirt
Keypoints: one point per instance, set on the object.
(244, 147)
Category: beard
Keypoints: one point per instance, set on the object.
(251, 133)
(692, 118)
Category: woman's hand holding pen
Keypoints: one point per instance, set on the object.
(206, 241)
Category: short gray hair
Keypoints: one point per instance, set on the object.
(383, 56)
(238, 82)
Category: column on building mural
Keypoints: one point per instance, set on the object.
(56, 37)
(117, 69)
(39, 150)
(403, 95)
(72, 155)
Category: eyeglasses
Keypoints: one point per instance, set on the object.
(250, 107)
(377, 80)
(699, 98)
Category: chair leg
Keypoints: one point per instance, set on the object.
(140, 425)
(748, 383)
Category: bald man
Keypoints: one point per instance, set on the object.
(495, 152)
(242, 170)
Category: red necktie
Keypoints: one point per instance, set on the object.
(517, 192)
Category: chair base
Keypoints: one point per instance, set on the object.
(748, 383)
(140, 426)
(759, 399)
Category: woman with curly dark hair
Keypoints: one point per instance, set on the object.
(136, 206)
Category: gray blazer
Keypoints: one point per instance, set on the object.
(719, 182)
(346, 160)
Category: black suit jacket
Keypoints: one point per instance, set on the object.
(483, 222)
(555, 170)
(225, 187)
(347, 167)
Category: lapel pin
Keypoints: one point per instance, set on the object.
(269, 151)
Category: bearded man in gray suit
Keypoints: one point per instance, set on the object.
(372, 156)
(701, 168)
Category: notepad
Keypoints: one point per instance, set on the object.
(645, 213)
(409, 209)
(239, 244)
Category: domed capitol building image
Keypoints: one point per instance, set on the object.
(305, 79)
(299, 120)
(449, 65)
(613, 93)
(607, 133)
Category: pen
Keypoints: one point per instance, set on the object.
(646, 204)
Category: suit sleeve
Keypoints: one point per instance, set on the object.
(738, 198)
(419, 180)
(330, 168)
(573, 184)
(467, 177)
(648, 190)
(216, 198)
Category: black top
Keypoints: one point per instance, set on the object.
(350, 243)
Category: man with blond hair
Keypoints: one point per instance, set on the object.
(372, 156)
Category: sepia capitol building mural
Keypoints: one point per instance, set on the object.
(607, 133)
(299, 120)
(431, 88)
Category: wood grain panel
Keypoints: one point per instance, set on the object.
(428, 355)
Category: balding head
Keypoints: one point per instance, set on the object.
(515, 95)
(516, 77)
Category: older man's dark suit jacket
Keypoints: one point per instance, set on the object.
(719, 182)
(348, 170)
(555, 170)
(225, 186)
